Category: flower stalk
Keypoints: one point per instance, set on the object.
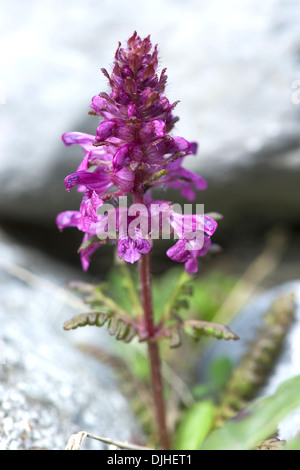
(153, 351)
(145, 279)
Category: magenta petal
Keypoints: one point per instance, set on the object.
(84, 165)
(68, 219)
(188, 192)
(88, 209)
(85, 255)
(99, 182)
(178, 251)
(77, 138)
(159, 127)
(131, 249)
(210, 225)
(153, 129)
(191, 265)
(193, 178)
(121, 157)
(143, 246)
(127, 250)
(131, 110)
(179, 145)
(131, 253)
(206, 246)
(124, 179)
(105, 130)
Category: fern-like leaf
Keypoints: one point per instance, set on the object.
(117, 326)
(196, 329)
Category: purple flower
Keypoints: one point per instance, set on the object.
(131, 249)
(132, 152)
(181, 254)
(194, 232)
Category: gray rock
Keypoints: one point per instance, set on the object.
(232, 65)
(48, 388)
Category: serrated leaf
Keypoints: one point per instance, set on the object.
(113, 325)
(119, 327)
(84, 319)
(197, 329)
(123, 331)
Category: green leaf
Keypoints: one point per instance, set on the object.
(196, 329)
(258, 421)
(118, 326)
(195, 426)
(98, 319)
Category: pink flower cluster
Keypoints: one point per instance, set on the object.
(132, 153)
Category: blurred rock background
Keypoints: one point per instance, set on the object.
(231, 64)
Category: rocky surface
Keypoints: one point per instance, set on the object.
(231, 64)
(48, 388)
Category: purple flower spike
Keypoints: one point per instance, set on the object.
(132, 153)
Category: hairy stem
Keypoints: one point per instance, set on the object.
(153, 349)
